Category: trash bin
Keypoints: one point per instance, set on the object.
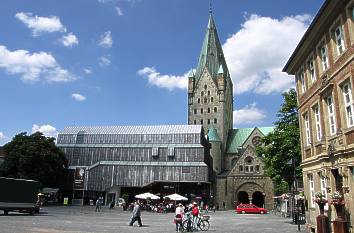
(66, 201)
(91, 202)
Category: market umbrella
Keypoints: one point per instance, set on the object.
(176, 197)
(146, 196)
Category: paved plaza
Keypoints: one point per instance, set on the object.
(85, 219)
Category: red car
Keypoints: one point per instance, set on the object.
(250, 209)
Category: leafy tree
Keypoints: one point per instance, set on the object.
(281, 149)
(34, 157)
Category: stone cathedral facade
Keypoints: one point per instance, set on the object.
(239, 171)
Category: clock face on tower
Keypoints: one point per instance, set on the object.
(256, 141)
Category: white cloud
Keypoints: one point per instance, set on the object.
(69, 40)
(104, 61)
(33, 67)
(164, 81)
(2, 136)
(88, 70)
(257, 53)
(39, 24)
(249, 114)
(78, 97)
(47, 130)
(119, 11)
(106, 40)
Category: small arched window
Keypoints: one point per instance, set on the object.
(195, 111)
(198, 100)
(208, 110)
(208, 92)
(195, 122)
(201, 110)
(241, 168)
(201, 121)
(202, 93)
(208, 121)
(205, 100)
(215, 120)
(211, 99)
(257, 168)
(215, 109)
(205, 87)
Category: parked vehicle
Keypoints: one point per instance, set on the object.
(19, 195)
(250, 209)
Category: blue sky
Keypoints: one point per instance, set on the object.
(124, 62)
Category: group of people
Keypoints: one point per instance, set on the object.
(190, 213)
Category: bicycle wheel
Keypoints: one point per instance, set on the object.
(185, 225)
(204, 225)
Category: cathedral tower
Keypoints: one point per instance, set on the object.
(210, 98)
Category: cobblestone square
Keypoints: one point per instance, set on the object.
(85, 219)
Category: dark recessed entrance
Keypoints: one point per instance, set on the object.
(258, 199)
(242, 197)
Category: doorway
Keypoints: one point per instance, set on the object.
(242, 197)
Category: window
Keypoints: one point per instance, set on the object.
(205, 100)
(171, 151)
(307, 129)
(324, 187)
(208, 110)
(348, 103)
(198, 100)
(312, 190)
(331, 115)
(208, 121)
(215, 121)
(208, 92)
(195, 111)
(311, 69)
(324, 57)
(339, 39)
(155, 152)
(201, 111)
(201, 121)
(302, 80)
(215, 109)
(316, 111)
(195, 122)
(211, 99)
(257, 168)
(241, 168)
(202, 93)
(205, 87)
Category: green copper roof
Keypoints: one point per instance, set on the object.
(266, 130)
(191, 74)
(211, 54)
(221, 70)
(237, 137)
(213, 135)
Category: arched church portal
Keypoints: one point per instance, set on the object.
(242, 197)
(258, 199)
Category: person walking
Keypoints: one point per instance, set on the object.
(179, 217)
(98, 205)
(136, 215)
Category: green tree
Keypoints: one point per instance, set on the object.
(281, 149)
(34, 157)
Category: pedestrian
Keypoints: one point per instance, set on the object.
(179, 217)
(206, 208)
(195, 213)
(136, 215)
(98, 205)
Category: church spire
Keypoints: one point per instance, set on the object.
(211, 55)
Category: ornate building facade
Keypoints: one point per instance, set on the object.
(323, 67)
(240, 174)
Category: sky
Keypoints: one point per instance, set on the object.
(125, 62)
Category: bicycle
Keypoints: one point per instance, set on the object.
(202, 223)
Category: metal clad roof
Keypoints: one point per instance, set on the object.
(135, 129)
(266, 130)
(213, 135)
